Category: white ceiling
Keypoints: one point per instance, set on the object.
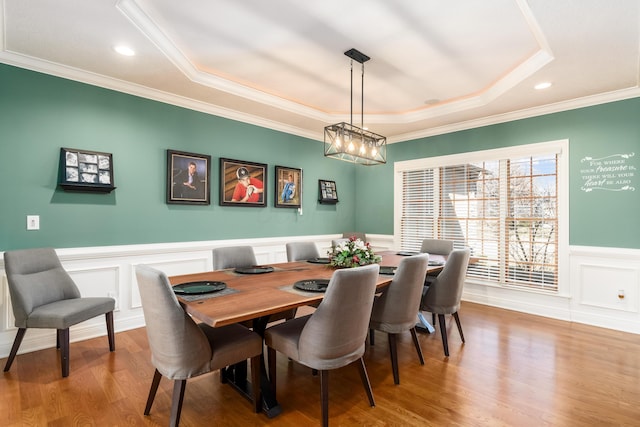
(436, 66)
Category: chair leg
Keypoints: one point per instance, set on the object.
(14, 349)
(176, 402)
(433, 319)
(324, 396)
(372, 340)
(63, 339)
(152, 391)
(443, 333)
(393, 352)
(271, 356)
(457, 318)
(110, 334)
(255, 383)
(365, 382)
(416, 343)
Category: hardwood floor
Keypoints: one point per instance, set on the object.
(514, 370)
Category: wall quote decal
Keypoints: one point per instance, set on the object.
(611, 173)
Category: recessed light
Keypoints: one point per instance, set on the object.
(124, 50)
(543, 85)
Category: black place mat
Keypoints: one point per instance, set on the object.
(256, 269)
(319, 260)
(407, 253)
(388, 270)
(434, 262)
(198, 288)
(312, 285)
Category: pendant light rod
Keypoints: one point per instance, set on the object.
(360, 57)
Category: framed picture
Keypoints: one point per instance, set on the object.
(288, 187)
(188, 178)
(327, 192)
(86, 171)
(242, 183)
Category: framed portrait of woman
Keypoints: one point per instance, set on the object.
(288, 187)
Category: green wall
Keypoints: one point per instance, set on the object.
(598, 218)
(39, 114)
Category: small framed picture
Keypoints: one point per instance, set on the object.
(243, 183)
(86, 171)
(188, 178)
(288, 187)
(327, 192)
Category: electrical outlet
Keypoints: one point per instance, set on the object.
(33, 222)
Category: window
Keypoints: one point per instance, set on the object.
(503, 204)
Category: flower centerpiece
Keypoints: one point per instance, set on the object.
(352, 253)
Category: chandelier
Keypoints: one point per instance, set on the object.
(350, 143)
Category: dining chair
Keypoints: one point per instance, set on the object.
(434, 247)
(356, 234)
(444, 294)
(395, 310)
(182, 349)
(334, 335)
(301, 251)
(233, 257)
(43, 295)
(339, 241)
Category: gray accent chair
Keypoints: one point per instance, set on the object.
(444, 294)
(437, 246)
(182, 349)
(43, 295)
(334, 335)
(301, 251)
(233, 257)
(349, 234)
(396, 309)
(336, 242)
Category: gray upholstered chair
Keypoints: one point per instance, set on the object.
(233, 257)
(437, 246)
(334, 335)
(396, 309)
(336, 242)
(349, 234)
(301, 251)
(43, 295)
(444, 294)
(182, 349)
(434, 247)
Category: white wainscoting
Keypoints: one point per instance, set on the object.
(110, 271)
(596, 276)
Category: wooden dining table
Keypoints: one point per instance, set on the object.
(257, 297)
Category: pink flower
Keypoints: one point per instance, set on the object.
(356, 259)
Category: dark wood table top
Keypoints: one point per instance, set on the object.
(258, 295)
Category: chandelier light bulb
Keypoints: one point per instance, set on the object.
(351, 147)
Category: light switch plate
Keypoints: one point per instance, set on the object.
(33, 222)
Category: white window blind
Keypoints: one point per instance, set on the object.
(504, 209)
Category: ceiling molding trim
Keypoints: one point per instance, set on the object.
(588, 101)
(82, 76)
(143, 22)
